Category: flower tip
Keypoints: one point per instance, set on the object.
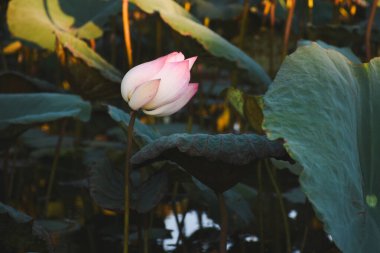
(175, 57)
(195, 86)
(192, 61)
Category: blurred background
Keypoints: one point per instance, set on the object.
(64, 175)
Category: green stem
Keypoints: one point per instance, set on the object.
(282, 206)
(179, 239)
(126, 180)
(369, 30)
(146, 233)
(288, 26)
(272, 38)
(223, 223)
(54, 165)
(305, 233)
(243, 24)
(260, 209)
(7, 186)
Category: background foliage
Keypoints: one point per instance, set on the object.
(289, 142)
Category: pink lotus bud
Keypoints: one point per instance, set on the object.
(160, 87)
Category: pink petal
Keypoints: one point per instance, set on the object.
(176, 105)
(191, 61)
(143, 94)
(175, 57)
(142, 73)
(175, 76)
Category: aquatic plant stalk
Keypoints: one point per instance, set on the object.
(282, 206)
(181, 236)
(288, 26)
(369, 30)
(223, 223)
(126, 180)
(54, 165)
(127, 33)
(260, 209)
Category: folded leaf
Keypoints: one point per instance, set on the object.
(219, 161)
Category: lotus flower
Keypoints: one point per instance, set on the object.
(160, 87)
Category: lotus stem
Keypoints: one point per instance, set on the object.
(272, 14)
(369, 30)
(127, 33)
(54, 165)
(223, 223)
(260, 209)
(7, 186)
(288, 26)
(179, 239)
(243, 24)
(305, 233)
(181, 236)
(126, 180)
(146, 232)
(282, 206)
(272, 38)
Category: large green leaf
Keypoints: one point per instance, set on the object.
(80, 18)
(19, 111)
(325, 108)
(19, 232)
(41, 107)
(107, 185)
(343, 50)
(187, 25)
(89, 74)
(204, 156)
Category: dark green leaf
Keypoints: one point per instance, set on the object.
(149, 193)
(106, 182)
(18, 231)
(204, 156)
(343, 50)
(107, 185)
(23, 109)
(35, 138)
(295, 195)
(294, 167)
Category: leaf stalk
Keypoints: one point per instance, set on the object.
(126, 180)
